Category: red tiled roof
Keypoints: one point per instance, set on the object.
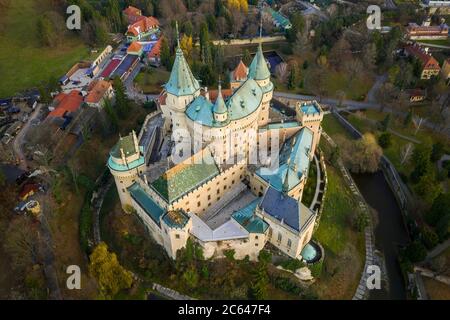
(134, 47)
(132, 11)
(156, 50)
(67, 103)
(98, 91)
(27, 189)
(241, 71)
(414, 29)
(143, 25)
(214, 93)
(427, 60)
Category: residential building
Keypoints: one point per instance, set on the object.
(142, 29)
(430, 66)
(132, 14)
(98, 92)
(416, 32)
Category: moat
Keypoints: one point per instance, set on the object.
(390, 232)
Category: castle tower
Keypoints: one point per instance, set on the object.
(259, 71)
(182, 88)
(310, 115)
(126, 162)
(238, 75)
(220, 109)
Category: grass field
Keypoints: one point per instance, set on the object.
(23, 62)
(151, 83)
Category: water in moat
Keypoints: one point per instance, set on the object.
(390, 231)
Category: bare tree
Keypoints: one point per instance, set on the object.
(406, 152)
(281, 72)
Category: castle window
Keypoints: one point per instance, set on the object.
(209, 197)
(256, 244)
(218, 191)
(199, 204)
(256, 237)
(177, 236)
(289, 243)
(279, 237)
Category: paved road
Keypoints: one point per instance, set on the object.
(18, 141)
(372, 94)
(432, 45)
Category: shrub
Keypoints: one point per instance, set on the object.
(415, 252)
(429, 238)
(316, 269)
(385, 140)
(292, 264)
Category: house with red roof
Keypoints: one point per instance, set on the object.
(132, 14)
(154, 56)
(142, 29)
(430, 66)
(416, 32)
(238, 75)
(136, 49)
(99, 91)
(65, 104)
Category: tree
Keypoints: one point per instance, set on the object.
(437, 151)
(21, 244)
(281, 72)
(297, 29)
(340, 52)
(106, 269)
(439, 209)
(428, 188)
(205, 50)
(408, 119)
(415, 252)
(292, 80)
(421, 159)
(260, 283)
(165, 54)
(122, 102)
(186, 45)
(247, 58)
(111, 115)
(363, 155)
(115, 16)
(385, 140)
(385, 123)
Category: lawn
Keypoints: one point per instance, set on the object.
(333, 128)
(23, 62)
(344, 246)
(441, 42)
(151, 82)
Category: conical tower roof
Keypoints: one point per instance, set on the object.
(181, 82)
(258, 68)
(219, 105)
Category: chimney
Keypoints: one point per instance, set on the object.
(206, 93)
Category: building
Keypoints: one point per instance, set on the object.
(99, 91)
(132, 14)
(65, 104)
(136, 49)
(278, 20)
(446, 70)
(154, 55)
(416, 95)
(212, 190)
(430, 66)
(416, 32)
(142, 29)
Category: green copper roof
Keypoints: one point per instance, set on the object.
(281, 125)
(258, 68)
(244, 101)
(181, 81)
(153, 210)
(219, 106)
(127, 144)
(175, 219)
(246, 217)
(176, 183)
(294, 162)
(310, 108)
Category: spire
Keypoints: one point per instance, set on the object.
(219, 105)
(258, 68)
(181, 82)
(178, 34)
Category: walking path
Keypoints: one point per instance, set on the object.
(175, 295)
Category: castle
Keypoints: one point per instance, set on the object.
(210, 188)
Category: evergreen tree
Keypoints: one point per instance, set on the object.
(292, 80)
(247, 58)
(165, 54)
(122, 102)
(114, 15)
(205, 50)
(408, 119)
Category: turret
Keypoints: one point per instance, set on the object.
(181, 89)
(126, 162)
(220, 109)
